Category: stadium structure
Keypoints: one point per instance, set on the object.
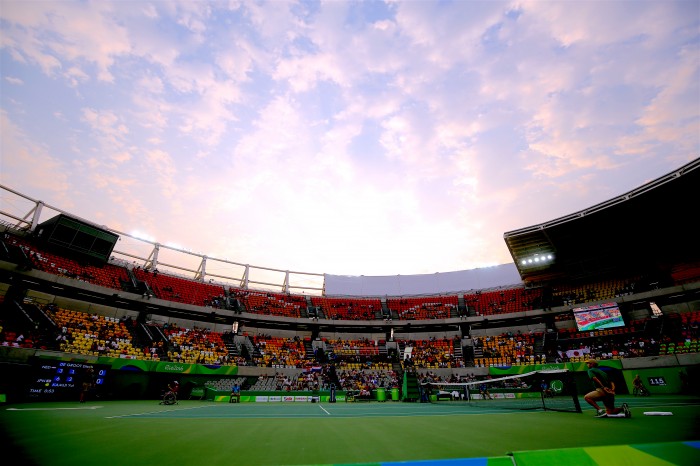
(619, 281)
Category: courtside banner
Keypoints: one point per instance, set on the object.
(507, 395)
(278, 398)
(128, 364)
(501, 371)
(214, 369)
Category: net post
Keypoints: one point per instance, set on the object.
(571, 383)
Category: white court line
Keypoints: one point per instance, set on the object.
(156, 412)
(51, 409)
(324, 410)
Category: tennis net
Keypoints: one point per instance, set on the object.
(553, 390)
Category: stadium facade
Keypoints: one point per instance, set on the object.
(561, 268)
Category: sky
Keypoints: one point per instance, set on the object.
(351, 138)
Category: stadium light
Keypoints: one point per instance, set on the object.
(537, 260)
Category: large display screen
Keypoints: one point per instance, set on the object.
(599, 316)
(63, 380)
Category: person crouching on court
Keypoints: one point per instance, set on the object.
(603, 391)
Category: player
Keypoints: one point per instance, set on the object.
(638, 387)
(170, 397)
(484, 392)
(88, 384)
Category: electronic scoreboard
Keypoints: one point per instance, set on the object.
(63, 380)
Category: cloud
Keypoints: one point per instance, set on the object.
(108, 130)
(79, 34)
(27, 165)
(345, 137)
(14, 81)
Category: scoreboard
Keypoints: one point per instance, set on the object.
(657, 381)
(63, 380)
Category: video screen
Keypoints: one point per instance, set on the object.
(598, 317)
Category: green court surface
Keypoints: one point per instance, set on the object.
(376, 433)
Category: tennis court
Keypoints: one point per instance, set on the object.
(446, 433)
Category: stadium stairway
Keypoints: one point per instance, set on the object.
(309, 354)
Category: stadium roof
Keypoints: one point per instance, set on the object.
(640, 232)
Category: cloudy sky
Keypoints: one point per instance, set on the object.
(350, 138)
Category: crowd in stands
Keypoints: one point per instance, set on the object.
(360, 366)
(306, 381)
(350, 348)
(681, 336)
(366, 381)
(196, 346)
(93, 334)
(319, 378)
(434, 353)
(278, 351)
(432, 377)
(357, 354)
(507, 349)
